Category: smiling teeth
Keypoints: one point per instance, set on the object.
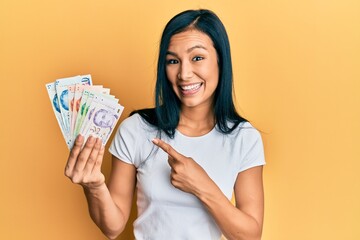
(191, 87)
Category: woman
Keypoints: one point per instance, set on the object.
(186, 156)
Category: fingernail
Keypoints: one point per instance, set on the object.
(91, 139)
(154, 140)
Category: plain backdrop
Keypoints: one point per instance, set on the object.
(297, 79)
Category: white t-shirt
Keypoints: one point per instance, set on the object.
(165, 212)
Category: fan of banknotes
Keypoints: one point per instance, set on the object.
(83, 108)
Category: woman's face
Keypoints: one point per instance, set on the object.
(192, 68)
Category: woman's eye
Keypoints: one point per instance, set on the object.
(197, 58)
(172, 61)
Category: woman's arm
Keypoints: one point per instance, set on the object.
(110, 206)
(245, 221)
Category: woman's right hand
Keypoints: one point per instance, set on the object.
(84, 165)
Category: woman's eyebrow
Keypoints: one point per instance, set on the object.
(188, 50)
(171, 53)
(194, 47)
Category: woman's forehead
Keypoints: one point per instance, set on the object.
(190, 38)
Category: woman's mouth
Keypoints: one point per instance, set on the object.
(190, 89)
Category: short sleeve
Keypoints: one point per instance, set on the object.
(252, 151)
(124, 144)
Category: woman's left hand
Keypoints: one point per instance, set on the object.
(186, 174)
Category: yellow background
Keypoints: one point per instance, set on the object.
(297, 79)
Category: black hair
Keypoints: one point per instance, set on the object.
(166, 113)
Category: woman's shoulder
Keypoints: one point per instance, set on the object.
(246, 125)
(245, 129)
(137, 123)
(132, 142)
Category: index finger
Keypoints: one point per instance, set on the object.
(168, 149)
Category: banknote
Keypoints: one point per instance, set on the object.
(85, 102)
(71, 99)
(62, 88)
(102, 120)
(75, 93)
(56, 108)
(83, 108)
(92, 102)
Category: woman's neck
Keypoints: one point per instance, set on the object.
(196, 121)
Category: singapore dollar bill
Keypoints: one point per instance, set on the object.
(83, 108)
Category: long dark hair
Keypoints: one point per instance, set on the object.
(166, 113)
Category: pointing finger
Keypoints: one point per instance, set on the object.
(168, 149)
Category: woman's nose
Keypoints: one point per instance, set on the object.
(186, 71)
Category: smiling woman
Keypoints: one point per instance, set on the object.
(187, 155)
(192, 68)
